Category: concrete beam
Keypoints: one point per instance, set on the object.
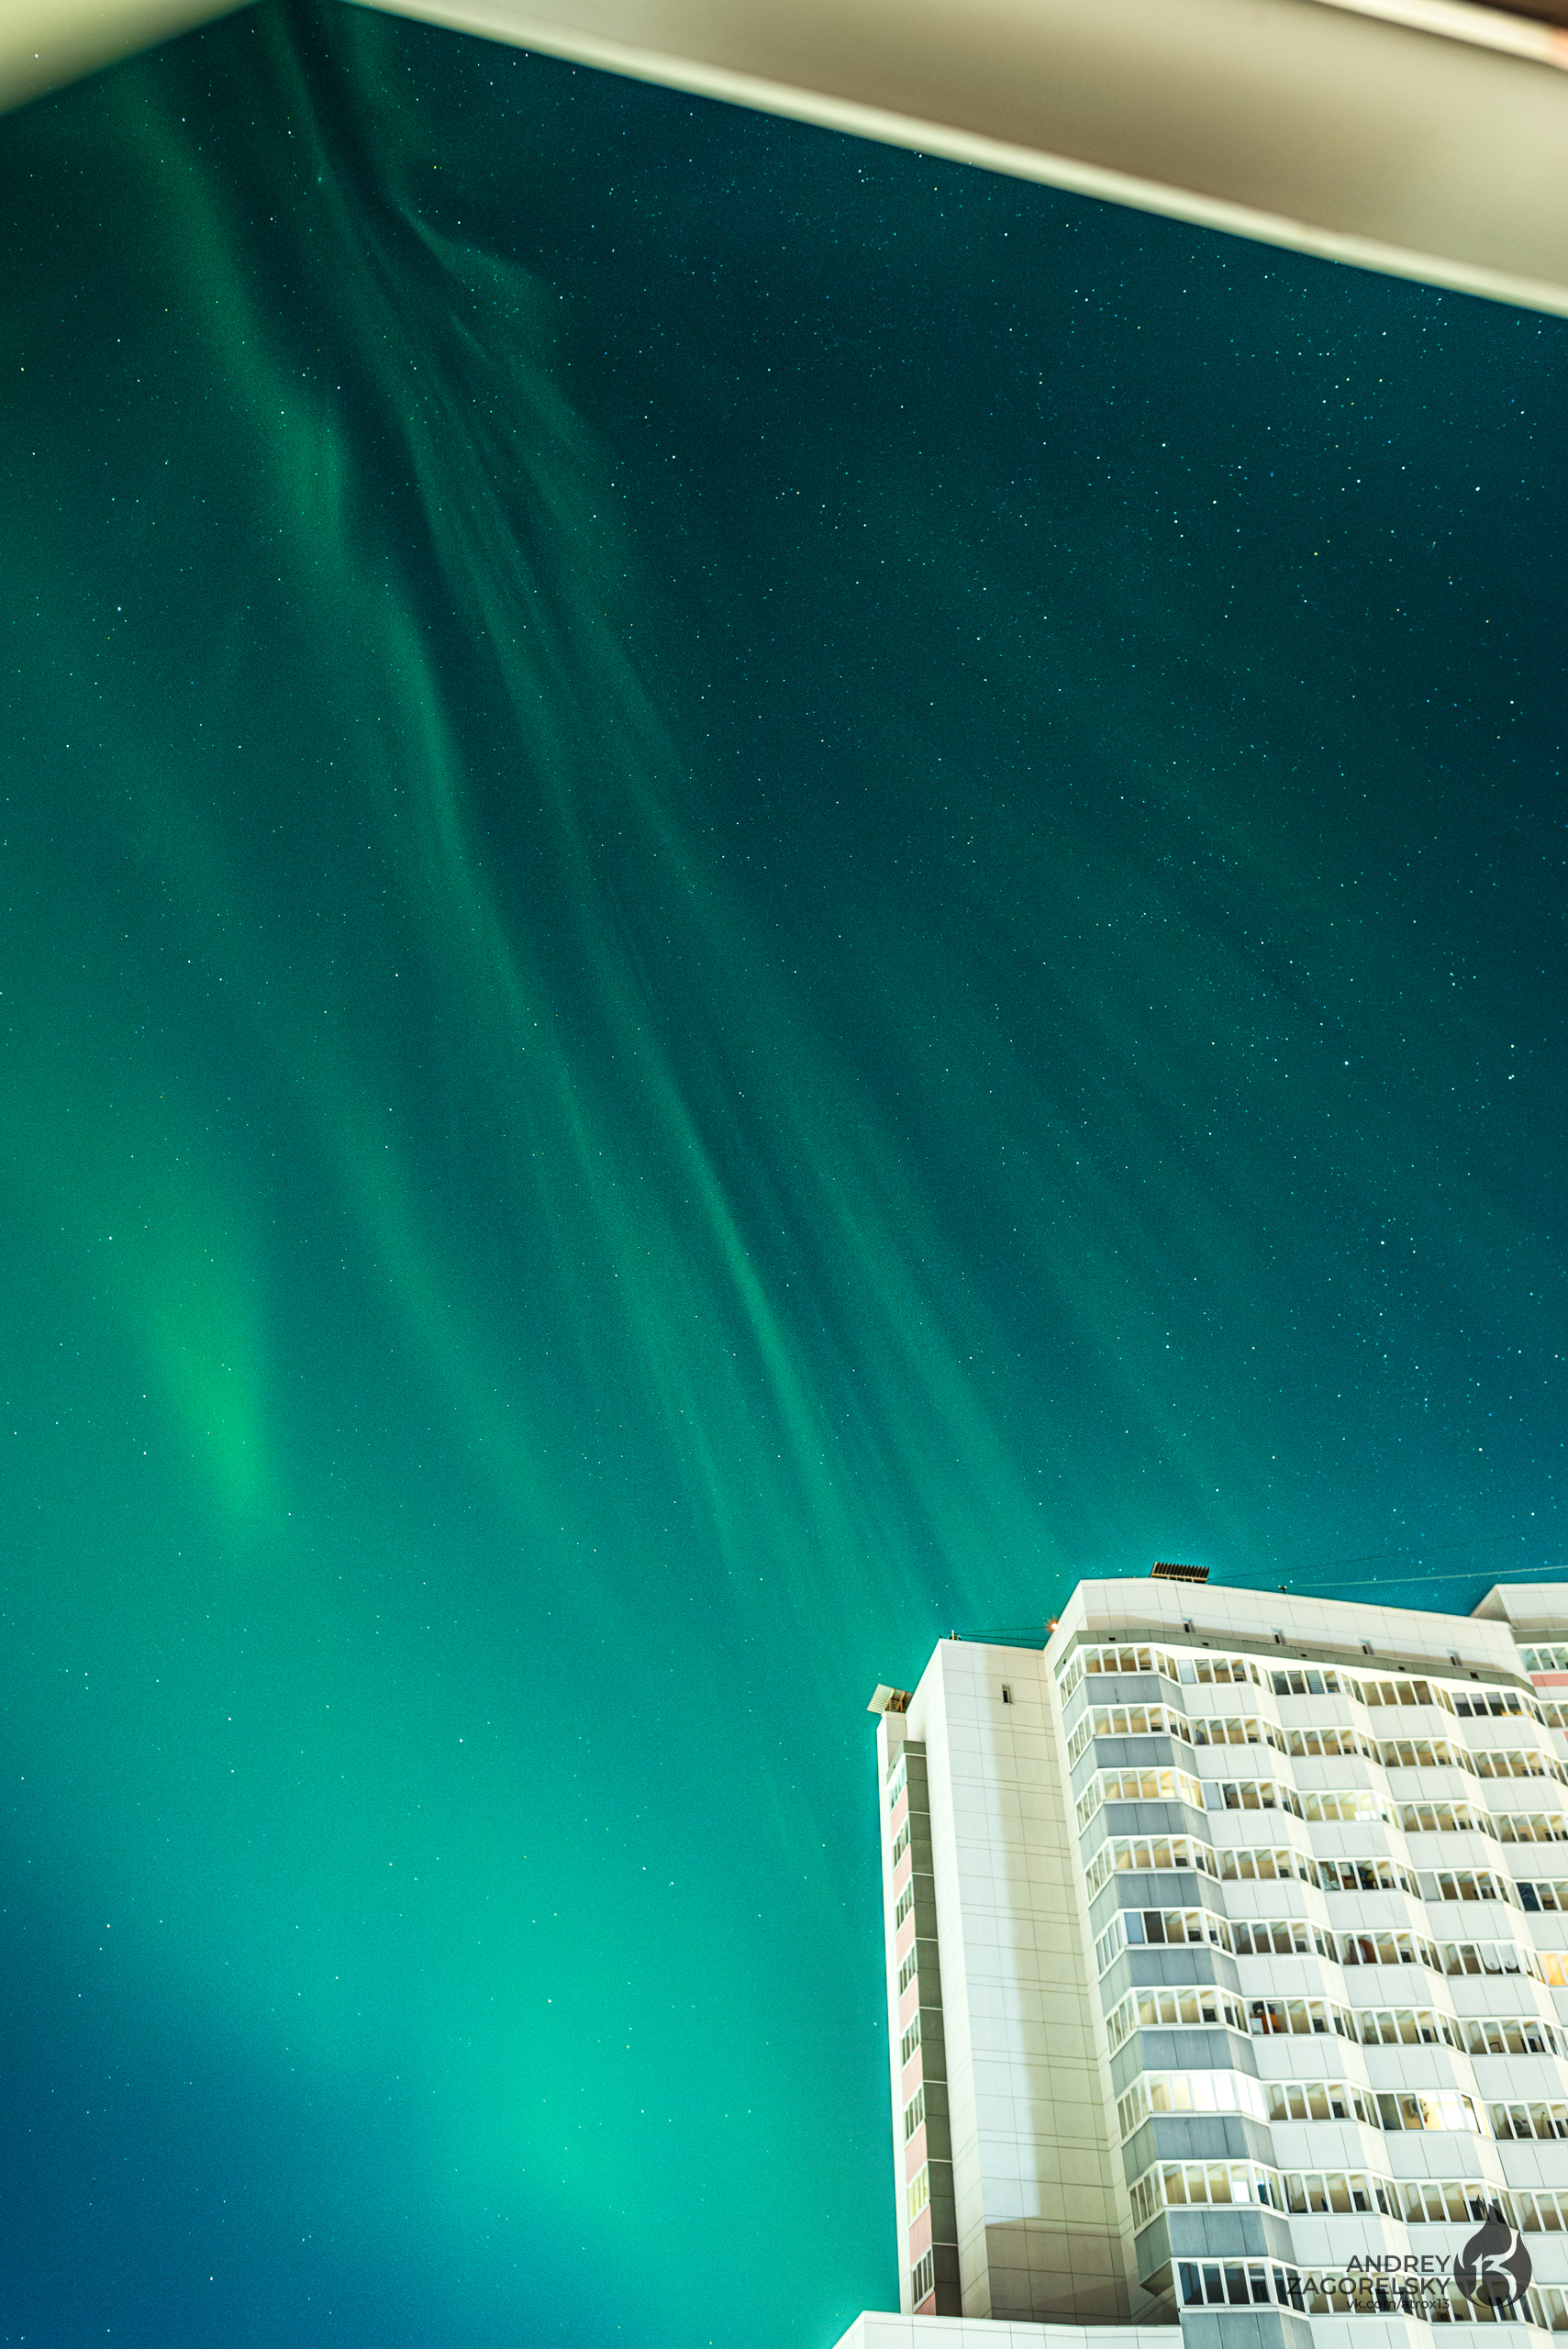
(1425, 138)
(1429, 140)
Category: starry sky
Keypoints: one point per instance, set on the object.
(755, 896)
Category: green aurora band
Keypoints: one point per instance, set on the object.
(756, 895)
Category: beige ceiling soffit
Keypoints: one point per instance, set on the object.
(1487, 25)
(1428, 138)
(1424, 137)
(46, 43)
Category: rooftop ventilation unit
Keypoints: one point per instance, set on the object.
(889, 1700)
(1163, 1571)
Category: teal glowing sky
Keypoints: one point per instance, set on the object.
(755, 895)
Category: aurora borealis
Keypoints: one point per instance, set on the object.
(755, 896)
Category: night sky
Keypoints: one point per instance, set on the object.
(755, 896)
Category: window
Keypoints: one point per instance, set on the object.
(1549, 1659)
(1222, 2183)
(1398, 1692)
(1280, 1937)
(1536, 2210)
(1445, 2201)
(901, 1842)
(1176, 2186)
(1251, 1794)
(898, 1782)
(1127, 1721)
(919, 2191)
(1189, 2092)
(1144, 2195)
(1099, 1870)
(1434, 2108)
(1006, 1694)
(1542, 2120)
(1299, 2017)
(1515, 1762)
(1327, 1744)
(1443, 1818)
(1138, 1785)
(1357, 2292)
(905, 1902)
(1320, 2100)
(1406, 2027)
(1389, 1949)
(1367, 1876)
(1511, 2035)
(1477, 1703)
(1176, 1927)
(914, 2113)
(909, 1968)
(1314, 2190)
(1250, 1866)
(1149, 1853)
(1238, 2283)
(1498, 1957)
(1196, 2006)
(1466, 1884)
(1220, 1671)
(1303, 1681)
(1421, 1754)
(1543, 1893)
(923, 2279)
(1347, 1803)
(1236, 1729)
(911, 2040)
(1130, 1660)
(1531, 1827)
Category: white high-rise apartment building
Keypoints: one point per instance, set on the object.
(1226, 1943)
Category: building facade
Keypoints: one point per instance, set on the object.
(1227, 1946)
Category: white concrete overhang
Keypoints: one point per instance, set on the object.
(1424, 137)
